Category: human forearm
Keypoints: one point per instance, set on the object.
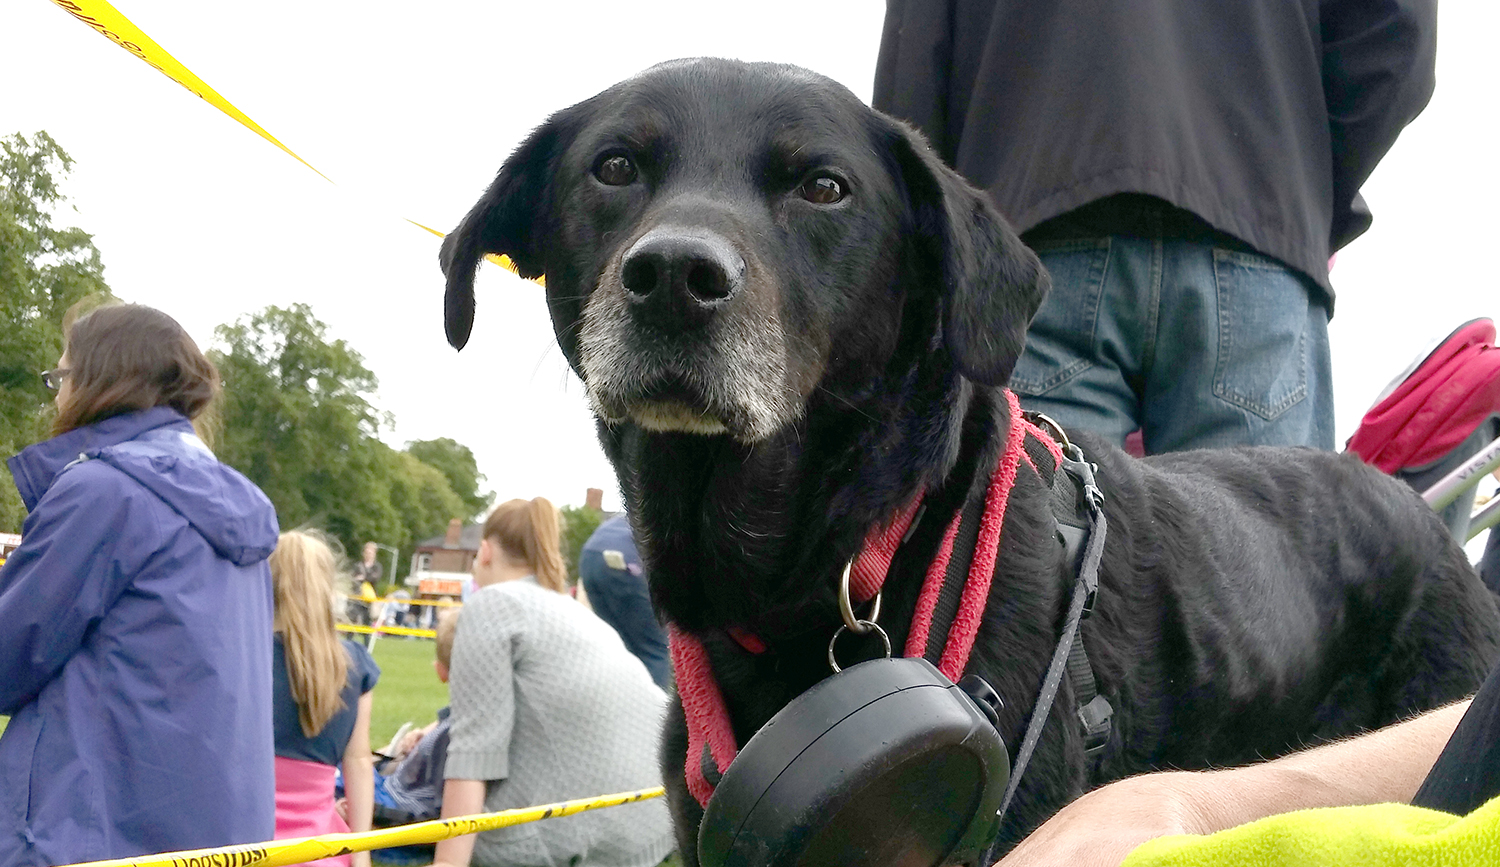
(359, 775)
(1378, 62)
(1102, 827)
(460, 798)
(1386, 766)
(359, 790)
(57, 586)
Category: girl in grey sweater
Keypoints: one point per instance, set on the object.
(548, 705)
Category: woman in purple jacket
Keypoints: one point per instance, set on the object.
(135, 652)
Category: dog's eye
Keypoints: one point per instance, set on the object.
(616, 171)
(822, 190)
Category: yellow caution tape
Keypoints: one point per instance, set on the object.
(281, 853)
(440, 603)
(108, 22)
(387, 630)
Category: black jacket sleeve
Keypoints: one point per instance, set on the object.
(1467, 773)
(912, 69)
(1378, 58)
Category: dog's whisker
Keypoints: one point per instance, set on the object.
(846, 402)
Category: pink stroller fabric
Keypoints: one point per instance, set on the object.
(1436, 406)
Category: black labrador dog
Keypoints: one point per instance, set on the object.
(791, 318)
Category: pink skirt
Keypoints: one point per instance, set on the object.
(304, 804)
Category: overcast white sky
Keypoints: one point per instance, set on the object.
(411, 108)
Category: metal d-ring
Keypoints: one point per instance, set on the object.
(867, 625)
(855, 624)
(1041, 419)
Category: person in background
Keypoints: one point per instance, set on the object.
(1185, 171)
(412, 790)
(135, 656)
(547, 705)
(321, 700)
(400, 607)
(368, 569)
(367, 574)
(610, 570)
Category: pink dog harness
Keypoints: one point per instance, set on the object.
(702, 702)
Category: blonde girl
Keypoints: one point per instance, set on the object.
(522, 539)
(321, 699)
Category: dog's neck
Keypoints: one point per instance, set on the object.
(755, 537)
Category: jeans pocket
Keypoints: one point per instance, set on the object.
(1263, 310)
(1060, 341)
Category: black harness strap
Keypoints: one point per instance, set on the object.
(957, 574)
(1041, 458)
(1072, 485)
(1076, 499)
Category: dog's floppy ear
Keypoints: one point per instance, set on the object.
(991, 283)
(509, 218)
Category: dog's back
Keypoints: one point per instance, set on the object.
(1278, 597)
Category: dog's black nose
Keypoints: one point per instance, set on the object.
(672, 265)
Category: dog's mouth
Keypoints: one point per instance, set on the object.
(694, 398)
(728, 377)
(674, 406)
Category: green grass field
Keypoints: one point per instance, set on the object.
(408, 691)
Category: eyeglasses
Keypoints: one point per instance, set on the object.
(53, 378)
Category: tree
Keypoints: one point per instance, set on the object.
(44, 270)
(456, 462)
(423, 499)
(299, 420)
(578, 524)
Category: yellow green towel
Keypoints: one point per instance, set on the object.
(1383, 835)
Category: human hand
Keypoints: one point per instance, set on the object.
(1102, 827)
(409, 742)
(341, 806)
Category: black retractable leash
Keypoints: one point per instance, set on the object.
(889, 762)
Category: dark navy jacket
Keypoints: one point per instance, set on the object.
(615, 580)
(135, 648)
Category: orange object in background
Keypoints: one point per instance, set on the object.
(441, 587)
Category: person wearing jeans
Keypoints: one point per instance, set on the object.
(1186, 171)
(1159, 323)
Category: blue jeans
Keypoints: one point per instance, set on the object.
(1196, 344)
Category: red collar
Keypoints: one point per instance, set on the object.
(703, 704)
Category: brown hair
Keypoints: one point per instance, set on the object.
(128, 357)
(530, 531)
(304, 575)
